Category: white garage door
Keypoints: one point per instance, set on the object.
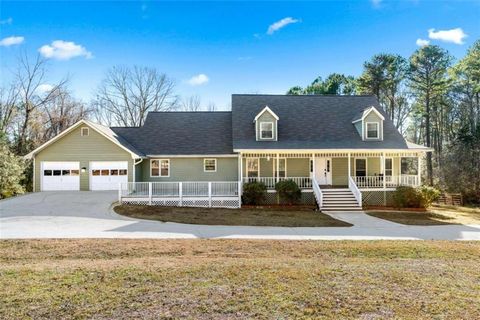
(60, 176)
(107, 175)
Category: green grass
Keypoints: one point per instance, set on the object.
(235, 279)
(276, 216)
(437, 215)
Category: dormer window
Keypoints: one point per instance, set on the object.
(266, 125)
(373, 129)
(266, 130)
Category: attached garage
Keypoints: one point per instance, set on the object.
(86, 156)
(60, 176)
(107, 175)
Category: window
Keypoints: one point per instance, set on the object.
(57, 172)
(210, 165)
(388, 167)
(84, 132)
(372, 130)
(311, 166)
(361, 167)
(282, 168)
(122, 172)
(114, 172)
(252, 168)
(74, 172)
(160, 168)
(95, 172)
(105, 172)
(65, 172)
(47, 172)
(266, 130)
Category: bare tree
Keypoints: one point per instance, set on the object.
(211, 106)
(8, 107)
(192, 103)
(28, 78)
(126, 95)
(61, 112)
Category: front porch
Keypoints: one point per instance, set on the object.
(368, 170)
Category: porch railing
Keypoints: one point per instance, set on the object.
(196, 193)
(317, 193)
(302, 182)
(390, 181)
(356, 192)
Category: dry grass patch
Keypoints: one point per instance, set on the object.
(236, 279)
(437, 215)
(264, 216)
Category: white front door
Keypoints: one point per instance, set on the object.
(60, 175)
(323, 171)
(107, 175)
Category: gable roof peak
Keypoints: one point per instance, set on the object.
(266, 109)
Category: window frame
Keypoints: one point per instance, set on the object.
(204, 164)
(275, 167)
(258, 167)
(81, 131)
(355, 166)
(159, 168)
(273, 129)
(377, 124)
(385, 167)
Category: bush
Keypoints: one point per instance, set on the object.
(11, 172)
(407, 197)
(429, 195)
(254, 193)
(288, 191)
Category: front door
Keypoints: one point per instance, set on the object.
(323, 171)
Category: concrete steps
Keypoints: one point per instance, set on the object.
(339, 200)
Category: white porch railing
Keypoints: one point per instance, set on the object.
(302, 182)
(356, 192)
(192, 194)
(390, 181)
(317, 192)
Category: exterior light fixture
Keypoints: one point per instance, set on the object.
(84, 169)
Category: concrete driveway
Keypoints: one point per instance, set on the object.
(89, 215)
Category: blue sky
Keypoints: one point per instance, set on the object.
(227, 43)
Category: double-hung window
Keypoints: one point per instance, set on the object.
(252, 168)
(388, 167)
(282, 168)
(266, 130)
(160, 167)
(210, 165)
(373, 131)
(360, 167)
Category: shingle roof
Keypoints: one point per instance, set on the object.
(182, 133)
(114, 136)
(309, 122)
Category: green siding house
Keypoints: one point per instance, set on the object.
(343, 151)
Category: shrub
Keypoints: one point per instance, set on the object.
(254, 193)
(11, 172)
(288, 191)
(429, 195)
(407, 197)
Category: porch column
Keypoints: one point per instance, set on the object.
(240, 172)
(349, 167)
(278, 167)
(313, 165)
(419, 169)
(382, 166)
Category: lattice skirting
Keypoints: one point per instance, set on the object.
(272, 198)
(377, 198)
(202, 202)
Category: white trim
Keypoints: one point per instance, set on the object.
(70, 129)
(260, 131)
(81, 131)
(367, 111)
(159, 168)
(355, 165)
(207, 159)
(378, 130)
(33, 178)
(326, 150)
(263, 111)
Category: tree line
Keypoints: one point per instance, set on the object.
(433, 100)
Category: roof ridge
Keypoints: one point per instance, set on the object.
(304, 95)
(189, 111)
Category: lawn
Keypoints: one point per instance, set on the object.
(437, 215)
(266, 216)
(239, 279)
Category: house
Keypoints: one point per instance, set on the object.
(341, 150)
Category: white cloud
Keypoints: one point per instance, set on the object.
(10, 41)
(280, 24)
(198, 80)
(64, 50)
(44, 88)
(422, 42)
(6, 21)
(453, 35)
